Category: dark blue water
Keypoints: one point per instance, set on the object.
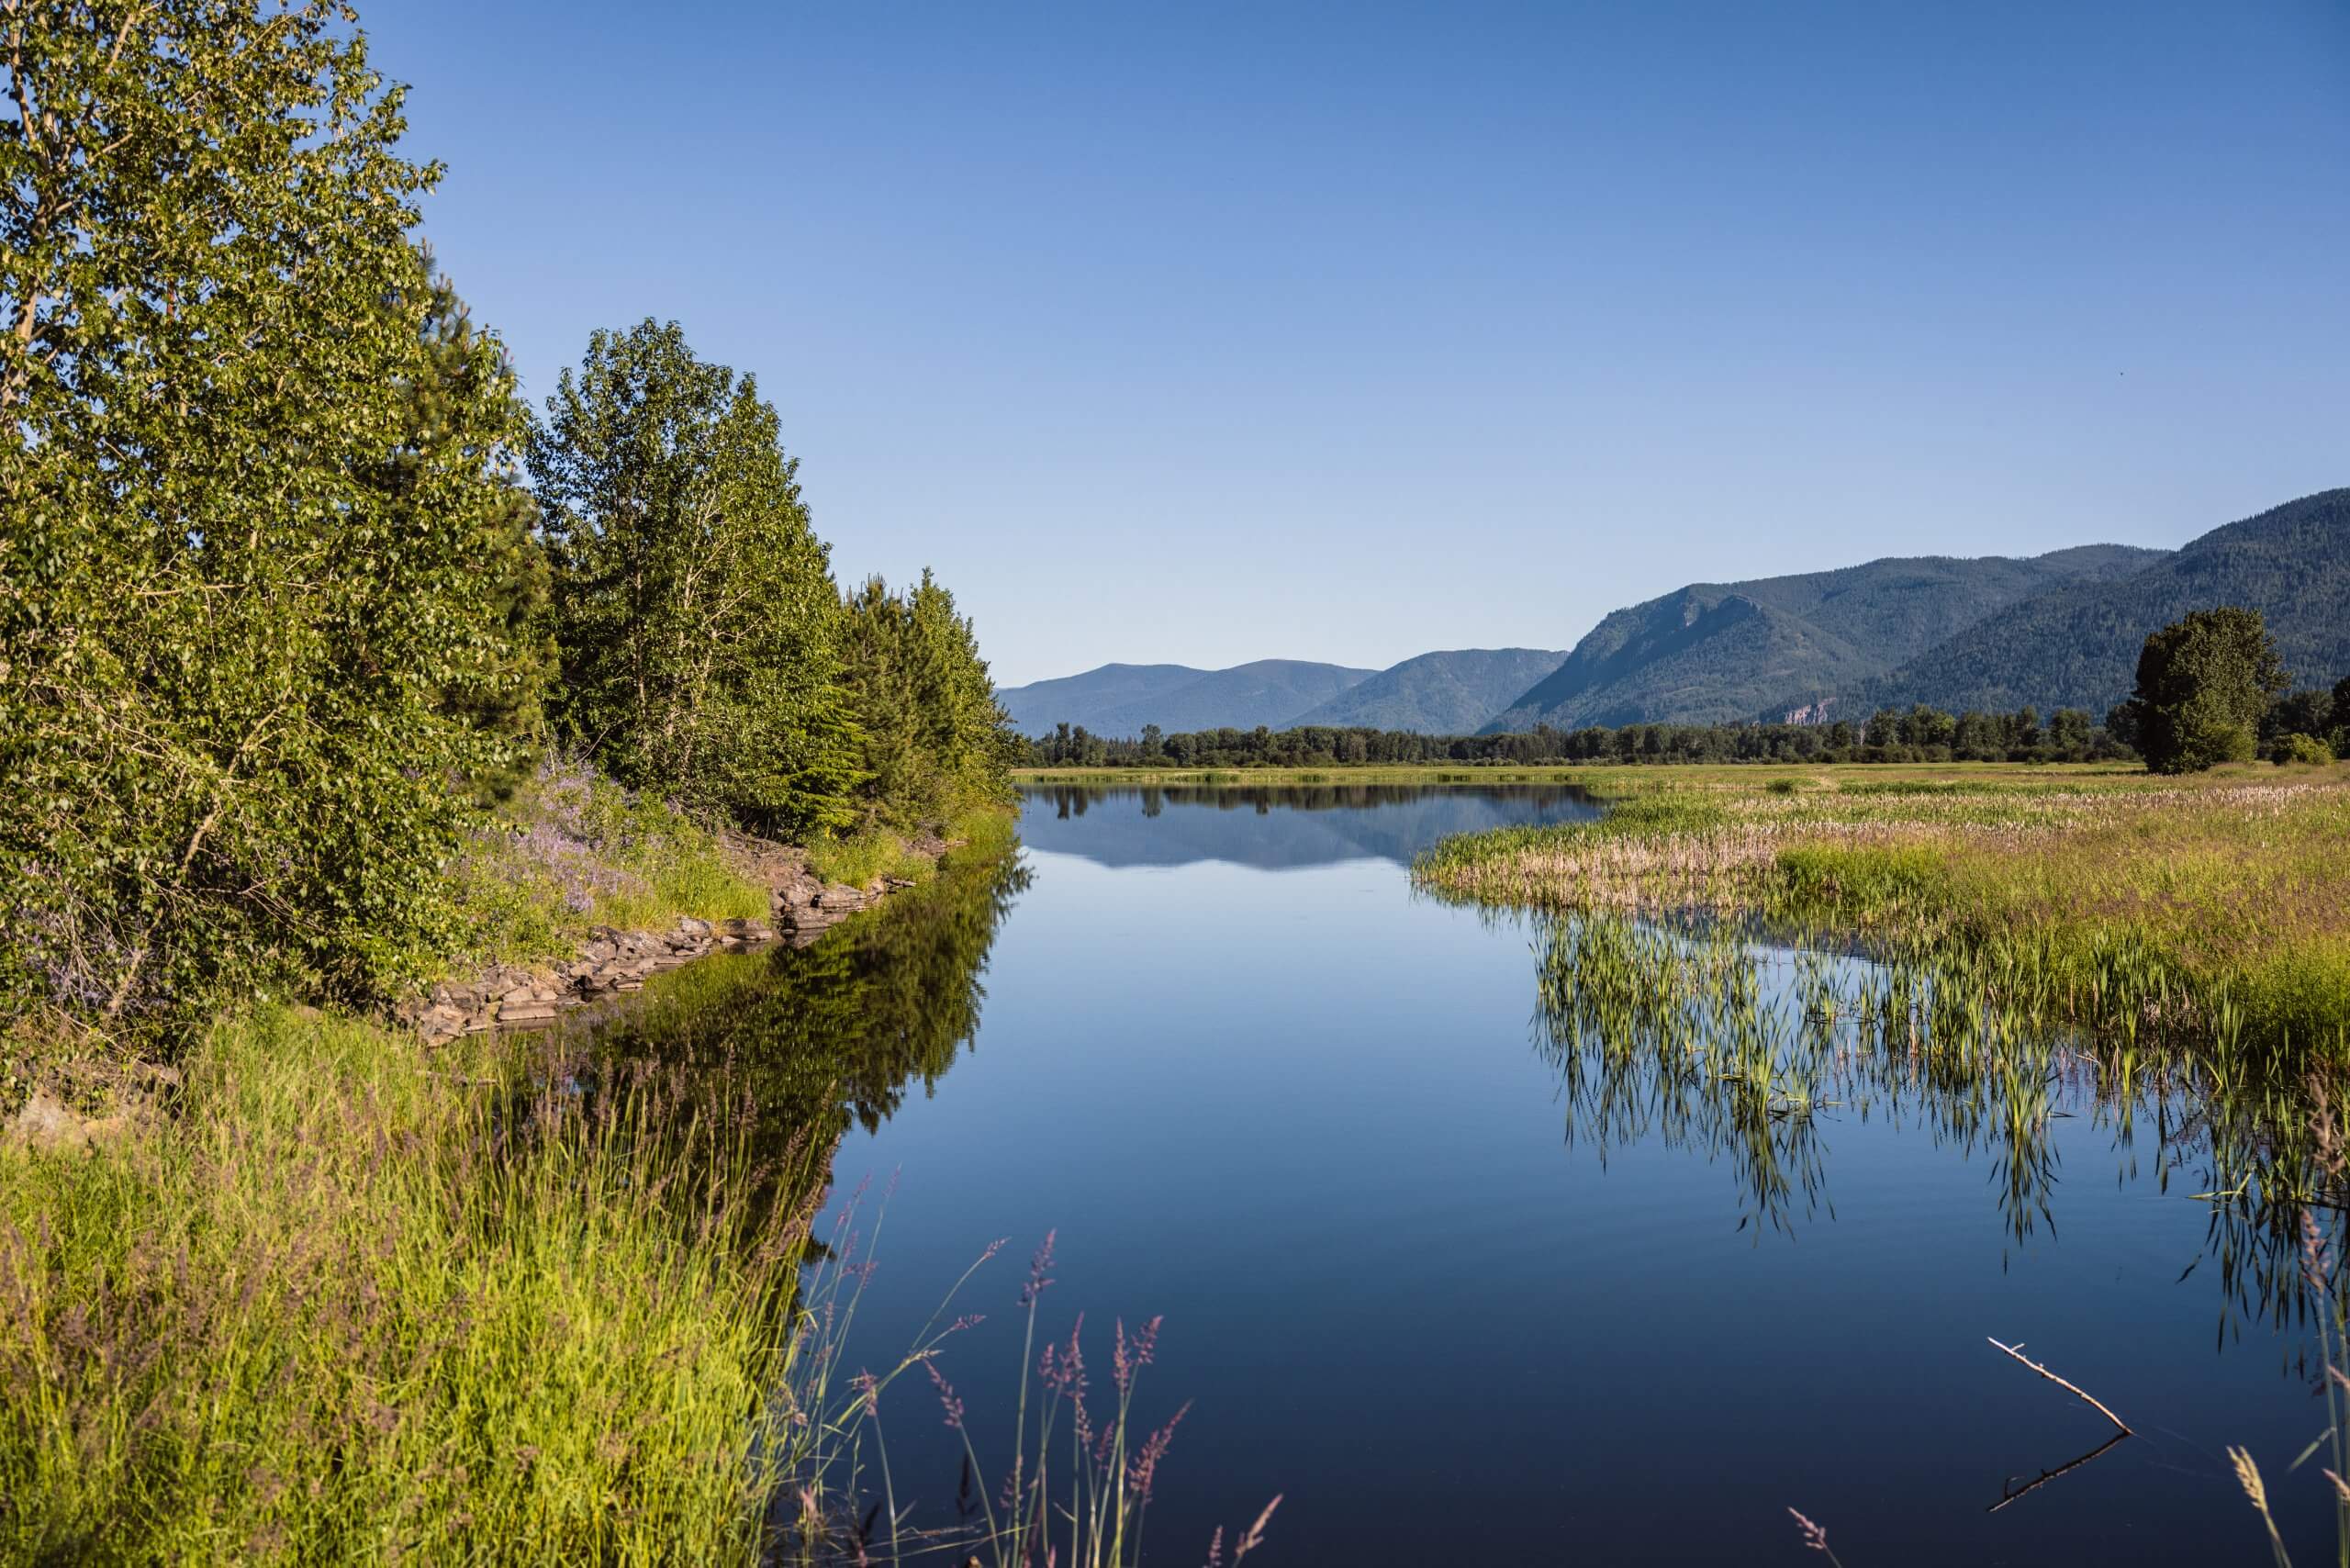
(1454, 1313)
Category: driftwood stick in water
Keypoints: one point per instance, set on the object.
(2074, 1388)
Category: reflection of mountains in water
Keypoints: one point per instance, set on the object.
(1279, 827)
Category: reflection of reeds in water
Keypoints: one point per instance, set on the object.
(2320, 1270)
(1693, 1031)
(2168, 960)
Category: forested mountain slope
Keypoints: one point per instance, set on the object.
(1994, 634)
(1712, 652)
(1448, 693)
(1119, 699)
(2077, 645)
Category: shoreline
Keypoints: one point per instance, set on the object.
(612, 961)
(1599, 779)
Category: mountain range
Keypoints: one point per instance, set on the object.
(2077, 646)
(1993, 632)
(1712, 653)
(1119, 699)
(1450, 693)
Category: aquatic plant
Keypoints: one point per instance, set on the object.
(2214, 916)
(1078, 1482)
(1708, 1033)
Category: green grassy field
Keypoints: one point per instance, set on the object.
(2216, 908)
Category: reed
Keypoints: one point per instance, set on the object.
(1072, 1486)
(2217, 913)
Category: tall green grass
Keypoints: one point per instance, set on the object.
(357, 1302)
(857, 858)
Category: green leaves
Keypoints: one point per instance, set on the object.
(693, 602)
(266, 589)
(934, 739)
(276, 615)
(2204, 681)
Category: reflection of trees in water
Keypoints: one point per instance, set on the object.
(799, 1042)
(1692, 1034)
(1072, 800)
(1279, 827)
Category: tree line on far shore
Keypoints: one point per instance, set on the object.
(294, 587)
(2211, 689)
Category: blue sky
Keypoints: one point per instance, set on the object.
(1203, 334)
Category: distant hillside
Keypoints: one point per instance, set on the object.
(1450, 693)
(2076, 646)
(1078, 698)
(1119, 699)
(1717, 652)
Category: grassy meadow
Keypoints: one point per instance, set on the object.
(2214, 908)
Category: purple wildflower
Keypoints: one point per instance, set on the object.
(1814, 1536)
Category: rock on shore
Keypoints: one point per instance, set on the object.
(802, 907)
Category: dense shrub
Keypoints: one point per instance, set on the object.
(266, 582)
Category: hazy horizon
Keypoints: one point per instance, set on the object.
(1345, 334)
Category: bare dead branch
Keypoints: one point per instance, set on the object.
(2074, 1389)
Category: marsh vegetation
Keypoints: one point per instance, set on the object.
(2214, 913)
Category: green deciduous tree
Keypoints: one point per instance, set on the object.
(693, 604)
(934, 739)
(2204, 681)
(2069, 730)
(264, 575)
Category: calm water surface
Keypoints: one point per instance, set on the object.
(1463, 1296)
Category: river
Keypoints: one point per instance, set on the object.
(1463, 1288)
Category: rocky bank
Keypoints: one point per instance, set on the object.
(802, 907)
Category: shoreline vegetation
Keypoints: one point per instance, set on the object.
(534, 1295)
(576, 891)
(330, 673)
(346, 1292)
(353, 1297)
(2213, 910)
